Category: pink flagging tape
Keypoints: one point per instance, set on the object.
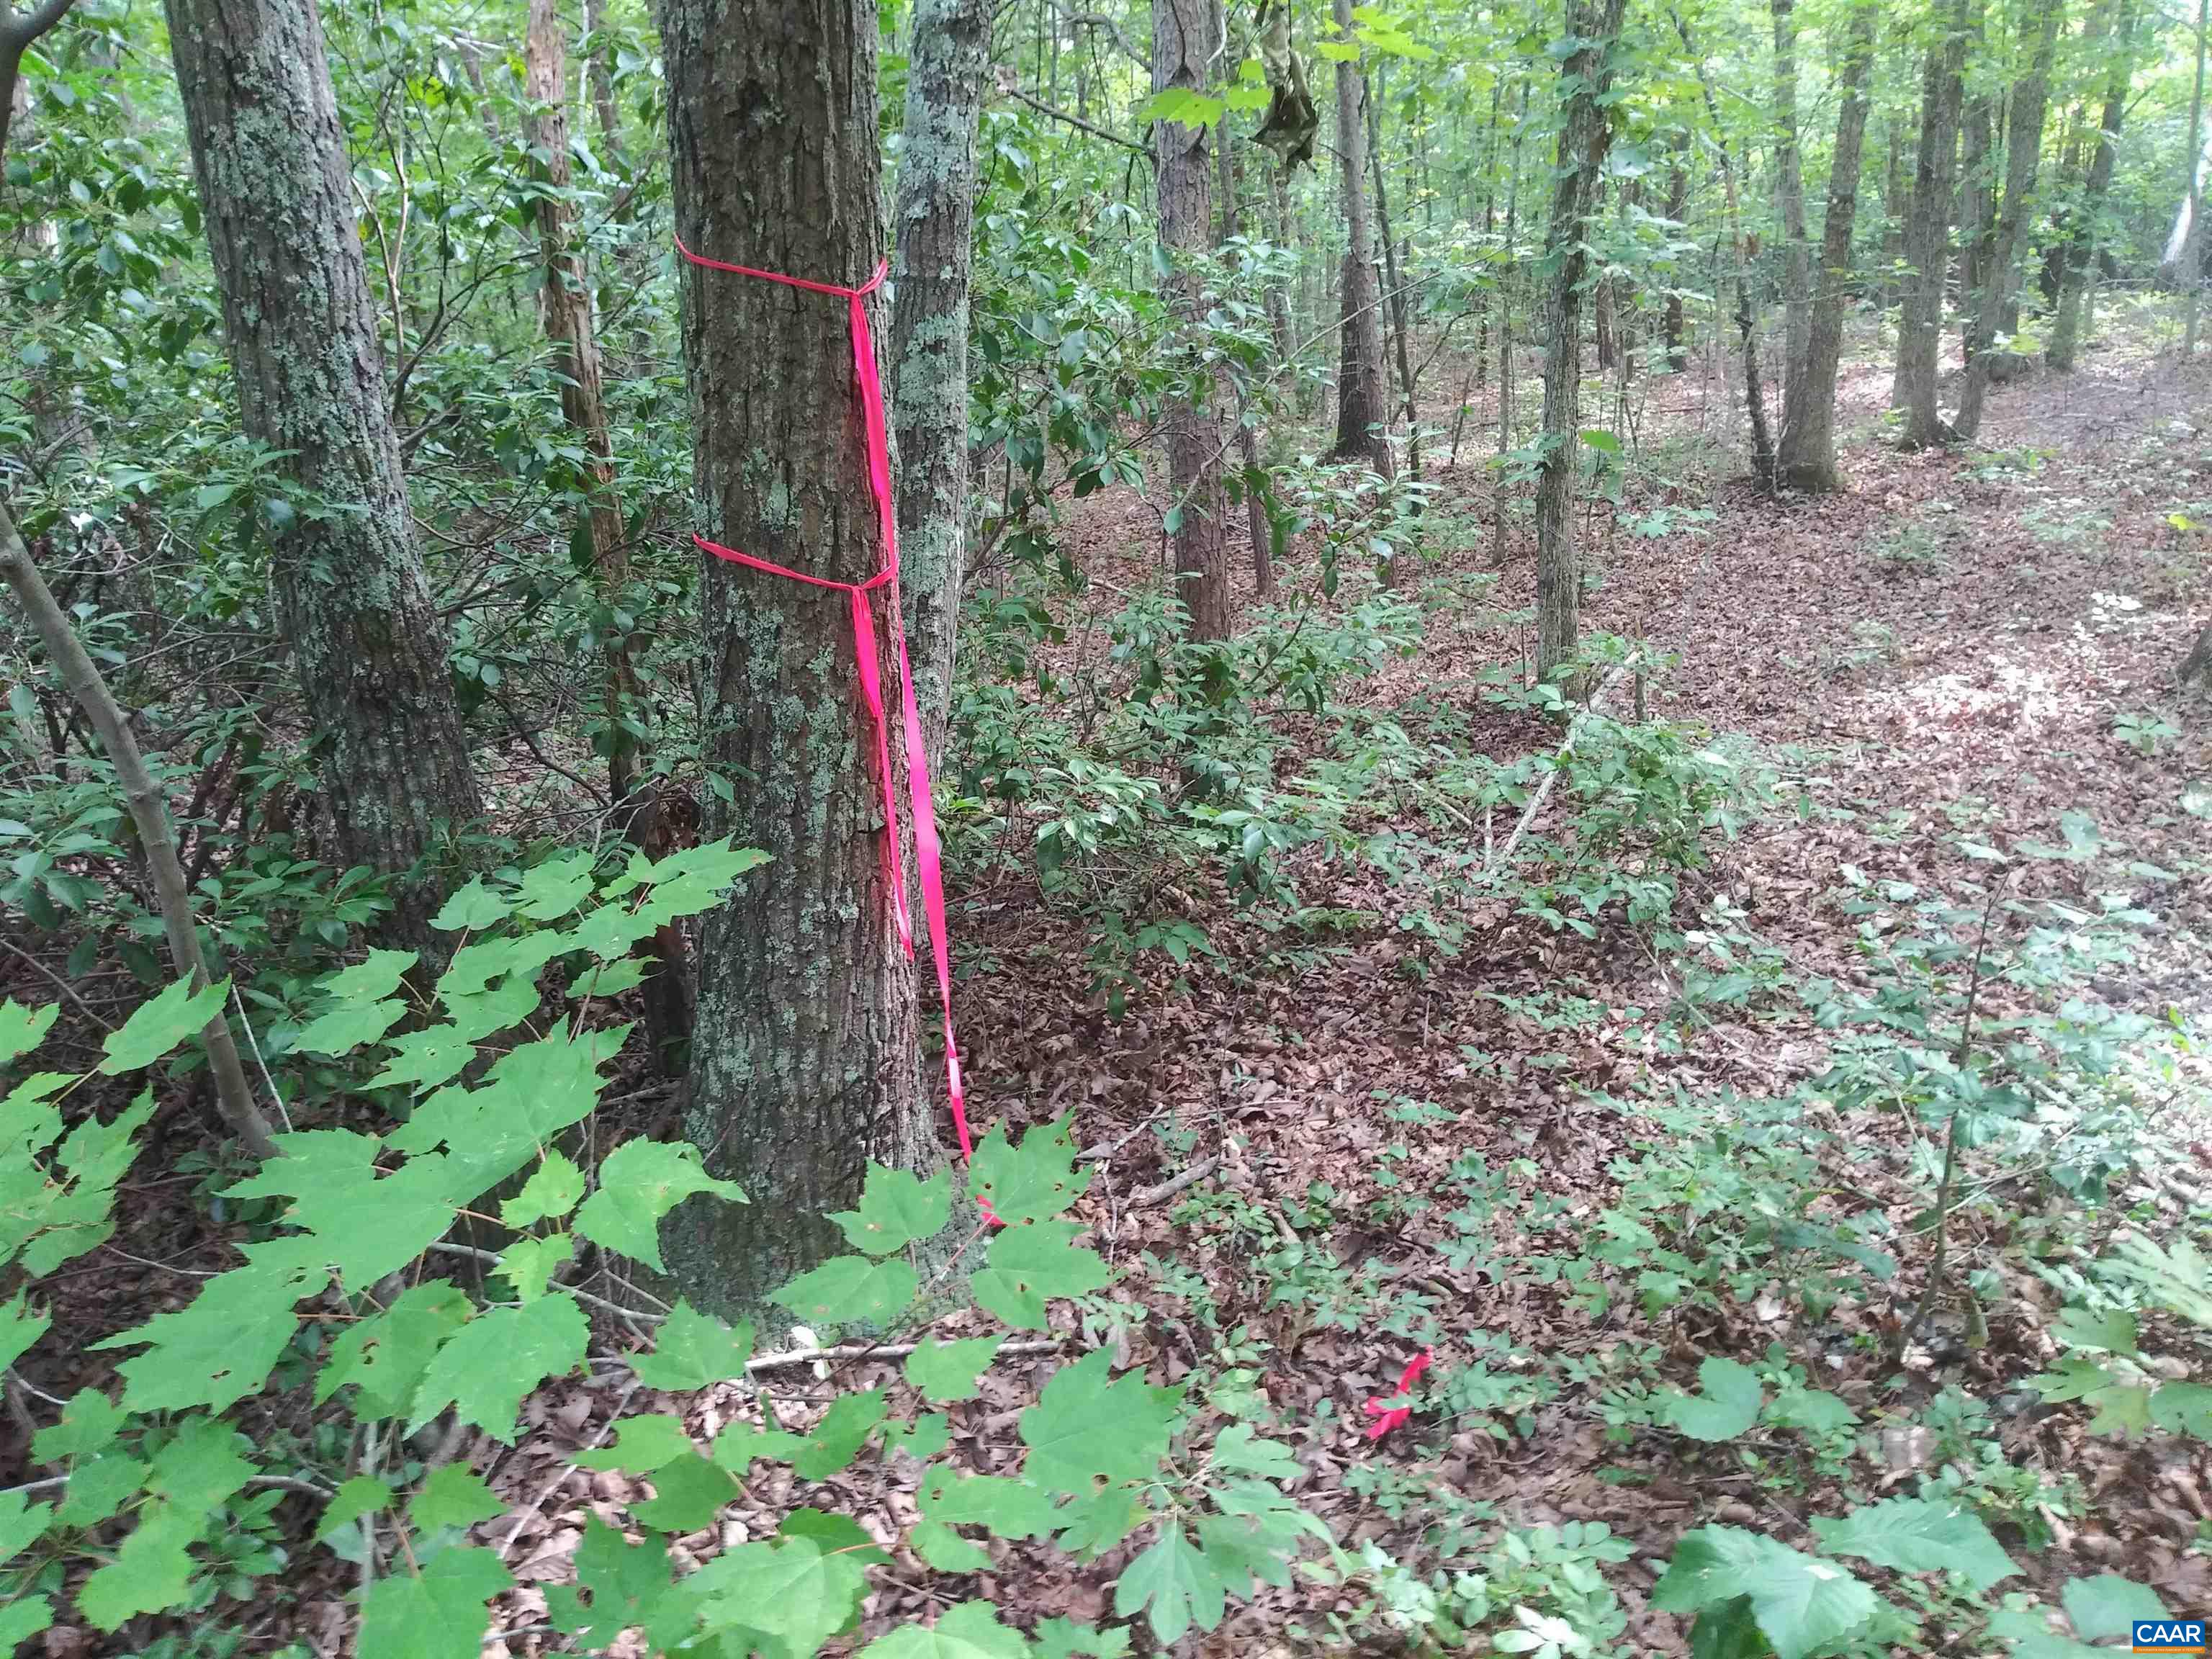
(928, 855)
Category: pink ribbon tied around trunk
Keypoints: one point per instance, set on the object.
(928, 857)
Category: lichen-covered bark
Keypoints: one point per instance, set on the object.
(1809, 422)
(1363, 396)
(1927, 232)
(804, 1058)
(930, 272)
(1186, 40)
(351, 591)
(1584, 78)
(2081, 243)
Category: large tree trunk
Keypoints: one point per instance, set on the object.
(1977, 210)
(930, 272)
(2192, 243)
(1927, 234)
(1585, 77)
(1186, 38)
(351, 595)
(1796, 249)
(804, 1067)
(1400, 314)
(1808, 438)
(2000, 282)
(1361, 394)
(2083, 234)
(1895, 208)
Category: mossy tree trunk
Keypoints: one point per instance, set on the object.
(804, 1061)
(1186, 40)
(351, 595)
(1585, 77)
(928, 386)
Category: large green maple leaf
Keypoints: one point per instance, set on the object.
(1801, 1604)
(1919, 1534)
(1090, 1426)
(486, 1367)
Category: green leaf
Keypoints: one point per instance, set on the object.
(473, 906)
(1091, 1526)
(945, 1550)
(641, 1445)
(152, 1570)
(1180, 105)
(969, 1630)
(1729, 1406)
(89, 1425)
(1030, 1181)
(22, 1029)
(693, 1349)
(2107, 1605)
(1237, 1447)
(2029, 1630)
(608, 979)
(789, 1594)
(529, 1263)
(20, 1327)
(741, 1444)
(1919, 1534)
(549, 1194)
(438, 1612)
(159, 1025)
(2113, 1330)
(1059, 1638)
(687, 1494)
(839, 1533)
(942, 1372)
(1088, 1427)
(1175, 1584)
(349, 1026)
(1602, 441)
(838, 1439)
(1813, 1410)
(2121, 1407)
(370, 980)
(385, 1355)
(1801, 1604)
(426, 1058)
(896, 1208)
(551, 889)
(453, 1496)
(98, 1489)
(627, 1584)
(2183, 1408)
(21, 1620)
(503, 1353)
(21, 1523)
(641, 1181)
(849, 1289)
(222, 1345)
(1030, 1265)
(364, 1494)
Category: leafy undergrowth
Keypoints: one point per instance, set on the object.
(1786, 1141)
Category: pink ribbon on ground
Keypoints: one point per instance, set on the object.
(1387, 1416)
(928, 856)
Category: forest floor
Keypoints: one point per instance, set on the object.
(1943, 650)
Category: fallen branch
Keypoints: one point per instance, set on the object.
(1169, 1187)
(1536, 802)
(774, 1362)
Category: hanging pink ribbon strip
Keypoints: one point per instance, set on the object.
(1388, 1417)
(928, 857)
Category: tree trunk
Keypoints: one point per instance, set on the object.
(1585, 77)
(1278, 294)
(804, 1067)
(351, 595)
(1678, 205)
(2192, 245)
(2001, 283)
(16, 34)
(1796, 249)
(1808, 455)
(930, 277)
(601, 76)
(1926, 233)
(1395, 277)
(1186, 39)
(1895, 208)
(1362, 395)
(2080, 247)
(1257, 526)
(1978, 212)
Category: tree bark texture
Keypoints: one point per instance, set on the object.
(803, 1064)
(2000, 281)
(1256, 527)
(931, 269)
(1808, 455)
(1796, 249)
(601, 75)
(351, 594)
(1186, 40)
(1926, 233)
(1584, 78)
(1678, 208)
(1363, 397)
(2080, 247)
